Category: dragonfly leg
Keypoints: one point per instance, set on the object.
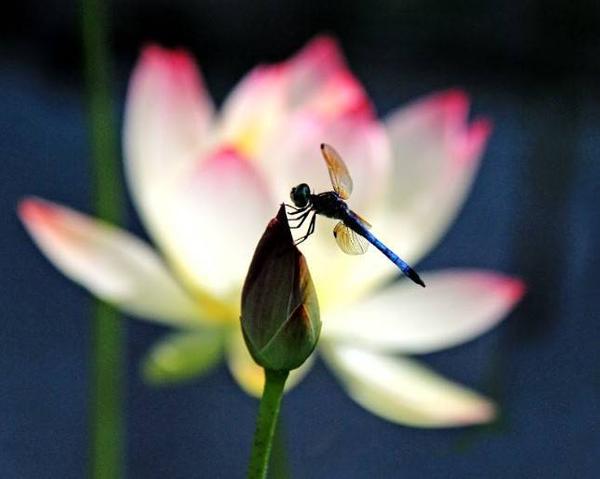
(311, 230)
(300, 220)
(297, 211)
(313, 222)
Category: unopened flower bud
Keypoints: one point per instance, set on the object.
(280, 312)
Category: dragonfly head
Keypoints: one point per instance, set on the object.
(300, 195)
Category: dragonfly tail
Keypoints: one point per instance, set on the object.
(403, 265)
(412, 274)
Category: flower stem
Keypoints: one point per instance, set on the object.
(268, 413)
(279, 467)
(106, 456)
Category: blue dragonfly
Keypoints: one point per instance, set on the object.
(352, 232)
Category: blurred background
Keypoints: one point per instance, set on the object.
(533, 67)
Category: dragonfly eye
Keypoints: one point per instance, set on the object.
(300, 195)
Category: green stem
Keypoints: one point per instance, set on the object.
(268, 413)
(106, 450)
(279, 467)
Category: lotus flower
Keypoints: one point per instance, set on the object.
(205, 184)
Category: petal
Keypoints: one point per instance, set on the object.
(109, 262)
(456, 306)
(183, 356)
(253, 110)
(315, 80)
(214, 219)
(168, 116)
(319, 79)
(403, 391)
(249, 375)
(436, 152)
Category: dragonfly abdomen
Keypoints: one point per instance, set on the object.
(393, 257)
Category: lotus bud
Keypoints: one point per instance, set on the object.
(280, 312)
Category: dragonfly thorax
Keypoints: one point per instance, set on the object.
(330, 204)
(300, 195)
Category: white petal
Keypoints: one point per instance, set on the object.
(253, 110)
(403, 391)
(109, 262)
(249, 375)
(436, 155)
(168, 116)
(214, 219)
(456, 306)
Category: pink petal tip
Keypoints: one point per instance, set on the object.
(513, 289)
(175, 59)
(453, 102)
(322, 48)
(176, 69)
(469, 145)
(33, 210)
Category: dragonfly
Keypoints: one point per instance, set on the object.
(352, 231)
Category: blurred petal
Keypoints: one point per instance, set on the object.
(456, 306)
(214, 220)
(403, 391)
(319, 80)
(183, 356)
(109, 262)
(315, 81)
(248, 374)
(167, 120)
(436, 151)
(253, 110)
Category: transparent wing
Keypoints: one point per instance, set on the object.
(338, 171)
(349, 241)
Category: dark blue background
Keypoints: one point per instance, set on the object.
(533, 212)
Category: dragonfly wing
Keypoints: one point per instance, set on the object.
(338, 171)
(349, 241)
